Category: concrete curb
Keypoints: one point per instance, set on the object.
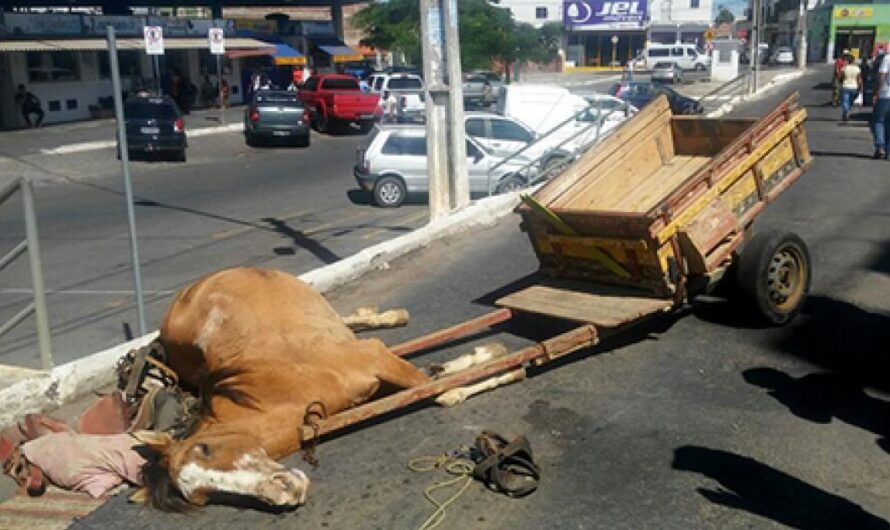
(42, 392)
(105, 144)
(776, 81)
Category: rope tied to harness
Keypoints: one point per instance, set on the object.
(315, 412)
(461, 469)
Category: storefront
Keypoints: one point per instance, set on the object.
(603, 34)
(63, 60)
(855, 27)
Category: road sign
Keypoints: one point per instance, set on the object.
(709, 34)
(217, 41)
(614, 39)
(154, 40)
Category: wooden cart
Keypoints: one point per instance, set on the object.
(658, 213)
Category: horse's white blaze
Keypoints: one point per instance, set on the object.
(211, 327)
(193, 477)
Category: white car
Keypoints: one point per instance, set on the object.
(407, 89)
(782, 55)
(392, 163)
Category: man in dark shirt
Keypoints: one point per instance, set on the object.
(29, 104)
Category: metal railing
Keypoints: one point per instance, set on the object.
(555, 150)
(723, 93)
(30, 244)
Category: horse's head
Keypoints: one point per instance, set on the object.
(211, 462)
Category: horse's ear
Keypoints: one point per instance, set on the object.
(156, 441)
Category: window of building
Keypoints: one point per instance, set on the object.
(49, 67)
(127, 62)
(70, 104)
(694, 4)
(55, 105)
(540, 12)
(208, 63)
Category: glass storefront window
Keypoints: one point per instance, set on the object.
(208, 64)
(50, 67)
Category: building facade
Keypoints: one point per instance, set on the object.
(534, 12)
(606, 33)
(860, 28)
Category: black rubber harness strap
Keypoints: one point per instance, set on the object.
(508, 468)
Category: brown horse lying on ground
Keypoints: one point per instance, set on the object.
(264, 347)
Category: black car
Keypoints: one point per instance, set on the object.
(154, 125)
(276, 115)
(639, 93)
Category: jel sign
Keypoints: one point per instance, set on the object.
(604, 12)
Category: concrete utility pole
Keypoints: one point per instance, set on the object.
(754, 41)
(446, 147)
(802, 36)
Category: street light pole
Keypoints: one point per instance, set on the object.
(755, 45)
(802, 36)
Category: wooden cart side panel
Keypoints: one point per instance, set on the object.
(706, 137)
(698, 199)
(657, 111)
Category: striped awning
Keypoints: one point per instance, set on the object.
(342, 53)
(172, 43)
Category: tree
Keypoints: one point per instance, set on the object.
(488, 33)
(724, 16)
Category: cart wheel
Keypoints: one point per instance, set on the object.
(774, 275)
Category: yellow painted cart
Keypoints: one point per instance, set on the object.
(665, 206)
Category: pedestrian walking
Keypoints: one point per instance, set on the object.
(30, 104)
(851, 86)
(223, 93)
(880, 116)
(839, 64)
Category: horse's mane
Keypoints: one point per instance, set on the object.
(163, 494)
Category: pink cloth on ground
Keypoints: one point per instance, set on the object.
(86, 462)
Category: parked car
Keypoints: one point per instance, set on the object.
(551, 109)
(639, 93)
(407, 89)
(336, 100)
(481, 89)
(276, 115)
(667, 71)
(688, 56)
(763, 53)
(782, 55)
(392, 163)
(154, 125)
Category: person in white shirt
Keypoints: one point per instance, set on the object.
(851, 85)
(881, 112)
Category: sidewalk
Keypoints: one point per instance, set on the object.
(48, 139)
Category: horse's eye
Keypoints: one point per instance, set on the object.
(202, 449)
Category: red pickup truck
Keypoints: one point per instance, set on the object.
(334, 101)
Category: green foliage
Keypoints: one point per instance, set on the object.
(724, 16)
(488, 33)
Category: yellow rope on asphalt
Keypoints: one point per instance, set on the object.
(460, 468)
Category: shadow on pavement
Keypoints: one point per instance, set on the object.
(301, 240)
(746, 484)
(822, 396)
(835, 154)
(843, 338)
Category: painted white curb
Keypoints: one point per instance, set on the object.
(105, 144)
(63, 384)
(778, 80)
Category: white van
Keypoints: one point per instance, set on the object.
(688, 56)
(544, 107)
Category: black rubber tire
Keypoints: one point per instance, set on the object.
(552, 166)
(366, 126)
(180, 156)
(389, 192)
(774, 274)
(322, 124)
(508, 184)
(250, 139)
(303, 141)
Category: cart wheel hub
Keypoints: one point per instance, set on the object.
(786, 277)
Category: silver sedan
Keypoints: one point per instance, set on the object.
(667, 71)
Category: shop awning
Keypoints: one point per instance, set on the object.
(286, 56)
(172, 43)
(341, 53)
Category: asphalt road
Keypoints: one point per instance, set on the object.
(699, 419)
(229, 205)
